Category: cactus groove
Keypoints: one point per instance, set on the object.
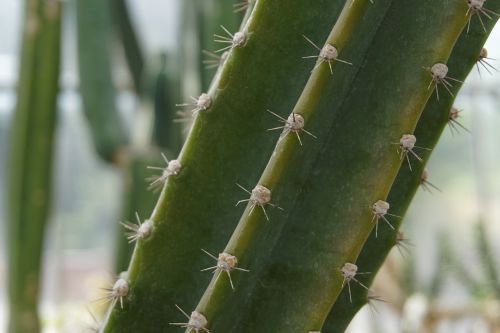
(431, 124)
(196, 208)
(31, 153)
(349, 119)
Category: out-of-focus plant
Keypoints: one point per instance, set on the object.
(30, 158)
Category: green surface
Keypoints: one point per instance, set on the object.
(166, 132)
(430, 126)
(196, 209)
(94, 32)
(291, 164)
(326, 186)
(124, 27)
(30, 159)
(331, 219)
(137, 198)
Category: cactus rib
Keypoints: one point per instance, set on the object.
(96, 85)
(302, 276)
(429, 128)
(253, 240)
(31, 151)
(194, 211)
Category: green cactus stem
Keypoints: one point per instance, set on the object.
(131, 46)
(196, 209)
(138, 199)
(332, 217)
(31, 151)
(431, 124)
(94, 23)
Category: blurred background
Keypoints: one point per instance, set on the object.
(439, 283)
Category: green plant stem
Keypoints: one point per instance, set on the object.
(228, 144)
(137, 199)
(131, 46)
(30, 164)
(357, 166)
(288, 162)
(96, 84)
(166, 133)
(430, 126)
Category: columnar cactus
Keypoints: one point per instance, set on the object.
(351, 122)
(30, 158)
(431, 124)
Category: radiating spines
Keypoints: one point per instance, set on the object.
(236, 40)
(425, 183)
(402, 243)
(196, 321)
(372, 299)
(202, 103)
(225, 263)
(293, 124)
(214, 60)
(349, 272)
(327, 54)
(380, 210)
(116, 293)
(476, 7)
(482, 59)
(243, 5)
(439, 76)
(95, 326)
(453, 122)
(172, 168)
(197, 105)
(259, 196)
(139, 230)
(406, 146)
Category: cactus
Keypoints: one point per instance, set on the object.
(166, 132)
(31, 150)
(138, 200)
(211, 15)
(431, 124)
(94, 22)
(361, 90)
(130, 42)
(345, 162)
(210, 204)
(328, 179)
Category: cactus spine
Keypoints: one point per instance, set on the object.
(301, 259)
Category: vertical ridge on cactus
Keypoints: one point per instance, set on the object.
(30, 158)
(329, 183)
(205, 187)
(429, 128)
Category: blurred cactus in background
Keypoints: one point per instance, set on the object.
(269, 162)
(30, 158)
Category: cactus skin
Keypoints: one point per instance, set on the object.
(166, 133)
(30, 164)
(290, 166)
(131, 46)
(211, 15)
(137, 197)
(96, 85)
(431, 124)
(357, 144)
(201, 201)
(302, 276)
